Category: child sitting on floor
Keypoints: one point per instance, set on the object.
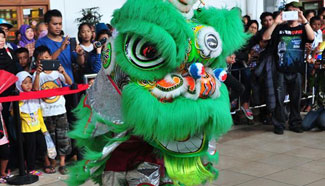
(32, 125)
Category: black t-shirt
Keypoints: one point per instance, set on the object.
(289, 46)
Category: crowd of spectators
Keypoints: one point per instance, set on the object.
(272, 67)
(49, 116)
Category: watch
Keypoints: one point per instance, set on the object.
(305, 23)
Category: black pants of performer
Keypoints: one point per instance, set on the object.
(237, 89)
(292, 84)
(34, 145)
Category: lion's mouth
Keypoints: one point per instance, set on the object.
(191, 145)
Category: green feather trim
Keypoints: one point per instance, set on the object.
(158, 22)
(94, 163)
(230, 27)
(187, 171)
(154, 120)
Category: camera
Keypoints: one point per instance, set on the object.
(100, 43)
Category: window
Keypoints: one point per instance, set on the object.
(19, 12)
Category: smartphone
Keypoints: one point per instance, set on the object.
(289, 15)
(50, 64)
(73, 43)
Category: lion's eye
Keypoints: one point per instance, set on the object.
(149, 51)
(211, 41)
(142, 53)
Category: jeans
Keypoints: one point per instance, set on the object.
(314, 119)
(287, 83)
(252, 87)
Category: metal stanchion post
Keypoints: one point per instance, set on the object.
(239, 99)
(74, 96)
(22, 178)
(306, 78)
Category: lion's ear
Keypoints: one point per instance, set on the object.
(229, 25)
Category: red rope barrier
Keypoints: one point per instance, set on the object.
(44, 93)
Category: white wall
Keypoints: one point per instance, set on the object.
(227, 4)
(71, 9)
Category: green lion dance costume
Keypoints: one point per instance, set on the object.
(159, 104)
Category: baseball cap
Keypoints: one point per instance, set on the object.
(4, 22)
(100, 27)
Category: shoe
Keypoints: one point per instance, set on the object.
(9, 175)
(297, 129)
(278, 130)
(35, 173)
(248, 113)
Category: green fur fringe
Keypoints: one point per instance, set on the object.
(154, 120)
(230, 27)
(187, 171)
(94, 163)
(158, 22)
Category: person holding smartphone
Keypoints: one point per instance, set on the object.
(288, 41)
(54, 111)
(60, 49)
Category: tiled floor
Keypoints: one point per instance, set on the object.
(254, 156)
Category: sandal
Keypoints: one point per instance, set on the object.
(49, 170)
(2, 180)
(63, 170)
